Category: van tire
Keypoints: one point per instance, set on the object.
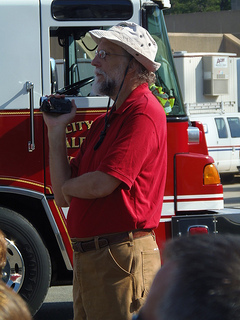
(28, 246)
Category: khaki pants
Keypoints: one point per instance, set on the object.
(112, 282)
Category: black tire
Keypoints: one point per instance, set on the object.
(227, 178)
(28, 260)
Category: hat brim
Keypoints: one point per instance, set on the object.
(150, 65)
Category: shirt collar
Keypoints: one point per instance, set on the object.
(134, 95)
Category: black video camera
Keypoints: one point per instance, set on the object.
(55, 105)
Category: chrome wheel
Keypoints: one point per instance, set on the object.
(14, 270)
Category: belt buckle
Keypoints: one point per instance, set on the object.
(95, 244)
(101, 242)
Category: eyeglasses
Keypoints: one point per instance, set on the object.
(102, 54)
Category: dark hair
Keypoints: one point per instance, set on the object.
(206, 281)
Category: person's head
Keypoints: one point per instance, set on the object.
(200, 280)
(124, 48)
(12, 306)
(3, 252)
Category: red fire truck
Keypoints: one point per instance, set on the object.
(45, 48)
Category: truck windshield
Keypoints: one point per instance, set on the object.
(72, 50)
(166, 74)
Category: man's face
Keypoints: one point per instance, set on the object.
(109, 71)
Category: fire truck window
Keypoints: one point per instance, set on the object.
(221, 128)
(166, 76)
(85, 10)
(234, 125)
(72, 50)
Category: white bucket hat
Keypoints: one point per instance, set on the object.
(134, 39)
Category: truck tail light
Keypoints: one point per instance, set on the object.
(192, 230)
(211, 175)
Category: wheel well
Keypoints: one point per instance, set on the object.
(32, 209)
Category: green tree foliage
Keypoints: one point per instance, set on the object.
(188, 6)
(225, 5)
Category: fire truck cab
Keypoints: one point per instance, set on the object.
(46, 48)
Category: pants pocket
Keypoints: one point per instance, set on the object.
(150, 266)
(121, 257)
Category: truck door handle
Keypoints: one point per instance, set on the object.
(31, 143)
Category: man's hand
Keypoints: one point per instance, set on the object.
(59, 120)
(68, 199)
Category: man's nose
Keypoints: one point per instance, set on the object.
(96, 62)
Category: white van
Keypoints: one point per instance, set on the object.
(222, 133)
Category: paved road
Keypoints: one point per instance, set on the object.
(231, 193)
(58, 303)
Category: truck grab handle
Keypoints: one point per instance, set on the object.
(31, 143)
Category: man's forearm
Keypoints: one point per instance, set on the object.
(60, 170)
(59, 165)
(91, 185)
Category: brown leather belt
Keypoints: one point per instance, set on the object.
(106, 240)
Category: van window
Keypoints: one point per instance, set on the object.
(221, 128)
(234, 125)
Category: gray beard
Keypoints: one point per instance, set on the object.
(107, 87)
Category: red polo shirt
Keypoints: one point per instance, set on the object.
(134, 151)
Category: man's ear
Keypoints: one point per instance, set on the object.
(132, 66)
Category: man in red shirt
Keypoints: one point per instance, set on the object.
(115, 185)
